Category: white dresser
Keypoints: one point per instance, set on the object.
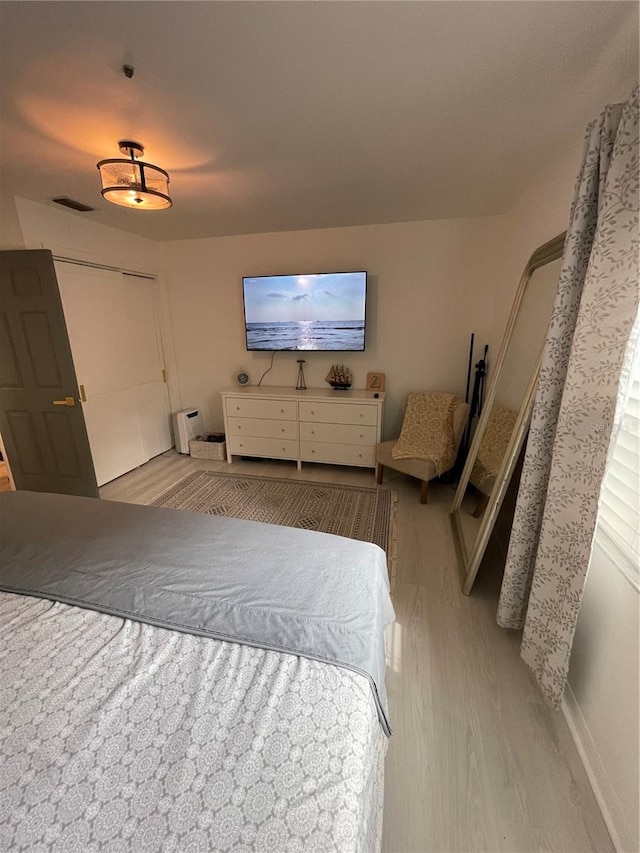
(316, 425)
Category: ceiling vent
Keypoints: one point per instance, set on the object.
(73, 204)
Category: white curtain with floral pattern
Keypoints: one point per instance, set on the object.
(576, 401)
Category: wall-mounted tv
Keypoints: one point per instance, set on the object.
(318, 311)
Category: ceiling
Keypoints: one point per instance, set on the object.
(274, 116)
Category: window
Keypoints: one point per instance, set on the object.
(619, 512)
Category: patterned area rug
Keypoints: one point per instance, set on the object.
(368, 514)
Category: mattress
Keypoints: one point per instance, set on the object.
(312, 594)
(171, 682)
(119, 736)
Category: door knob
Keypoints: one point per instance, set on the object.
(68, 401)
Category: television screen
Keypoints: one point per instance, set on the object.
(322, 311)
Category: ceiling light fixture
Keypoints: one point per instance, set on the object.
(133, 183)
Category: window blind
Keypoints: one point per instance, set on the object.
(619, 511)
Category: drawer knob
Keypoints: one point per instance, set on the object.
(284, 448)
(312, 412)
(282, 411)
(359, 455)
(237, 408)
(241, 445)
(313, 451)
(359, 436)
(282, 430)
(239, 427)
(361, 415)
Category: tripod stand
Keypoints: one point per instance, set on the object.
(477, 397)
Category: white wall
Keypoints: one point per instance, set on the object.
(539, 215)
(73, 235)
(428, 288)
(10, 232)
(602, 704)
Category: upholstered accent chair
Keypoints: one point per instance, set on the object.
(422, 469)
(493, 446)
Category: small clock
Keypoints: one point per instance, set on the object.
(242, 378)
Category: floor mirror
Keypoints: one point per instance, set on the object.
(502, 427)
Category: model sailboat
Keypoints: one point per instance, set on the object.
(339, 377)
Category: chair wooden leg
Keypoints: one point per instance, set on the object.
(424, 491)
(379, 472)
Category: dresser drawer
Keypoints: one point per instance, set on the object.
(262, 428)
(338, 433)
(338, 454)
(339, 413)
(273, 447)
(281, 410)
(314, 425)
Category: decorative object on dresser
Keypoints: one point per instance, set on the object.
(339, 377)
(242, 378)
(305, 426)
(435, 450)
(375, 381)
(301, 385)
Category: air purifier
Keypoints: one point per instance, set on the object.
(187, 424)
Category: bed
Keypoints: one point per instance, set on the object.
(174, 682)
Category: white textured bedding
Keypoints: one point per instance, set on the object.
(121, 736)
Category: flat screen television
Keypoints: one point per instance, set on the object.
(318, 311)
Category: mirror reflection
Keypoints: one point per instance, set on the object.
(500, 430)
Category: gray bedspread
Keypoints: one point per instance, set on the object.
(311, 594)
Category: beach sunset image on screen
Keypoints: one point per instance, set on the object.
(321, 311)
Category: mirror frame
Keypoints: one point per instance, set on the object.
(469, 559)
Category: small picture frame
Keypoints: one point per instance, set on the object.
(375, 381)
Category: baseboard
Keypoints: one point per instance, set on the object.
(617, 825)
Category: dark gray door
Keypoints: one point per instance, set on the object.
(41, 420)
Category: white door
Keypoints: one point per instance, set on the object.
(113, 330)
(154, 411)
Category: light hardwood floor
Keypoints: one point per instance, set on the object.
(477, 761)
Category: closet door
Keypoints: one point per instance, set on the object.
(113, 331)
(154, 412)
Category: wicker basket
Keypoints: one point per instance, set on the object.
(199, 449)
